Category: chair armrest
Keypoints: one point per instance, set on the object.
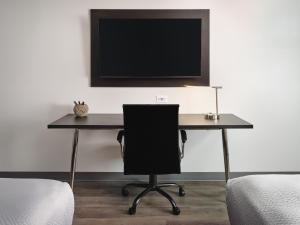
(183, 140)
(120, 136)
(119, 139)
(183, 136)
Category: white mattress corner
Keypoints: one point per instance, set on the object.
(264, 200)
(35, 202)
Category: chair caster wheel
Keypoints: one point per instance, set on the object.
(181, 192)
(132, 210)
(176, 211)
(125, 192)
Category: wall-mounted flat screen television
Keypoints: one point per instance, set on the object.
(149, 47)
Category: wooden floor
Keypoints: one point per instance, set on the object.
(101, 203)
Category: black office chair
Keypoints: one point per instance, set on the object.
(151, 147)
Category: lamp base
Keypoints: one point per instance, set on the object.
(212, 116)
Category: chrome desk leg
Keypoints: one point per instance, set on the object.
(226, 154)
(74, 157)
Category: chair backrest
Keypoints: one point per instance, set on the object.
(151, 139)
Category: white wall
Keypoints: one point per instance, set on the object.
(45, 64)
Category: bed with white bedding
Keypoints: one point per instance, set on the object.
(264, 200)
(35, 202)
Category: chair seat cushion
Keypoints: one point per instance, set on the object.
(264, 200)
(35, 202)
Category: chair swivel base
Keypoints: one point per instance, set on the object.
(152, 186)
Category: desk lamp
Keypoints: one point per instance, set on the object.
(216, 116)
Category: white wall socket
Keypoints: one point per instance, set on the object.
(161, 99)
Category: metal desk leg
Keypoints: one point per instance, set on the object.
(74, 157)
(226, 154)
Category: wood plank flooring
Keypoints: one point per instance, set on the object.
(101, 203)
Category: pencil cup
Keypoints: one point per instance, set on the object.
(80, 109)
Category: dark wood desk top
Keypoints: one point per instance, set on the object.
(115, 121)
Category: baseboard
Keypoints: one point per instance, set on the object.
(118, 176)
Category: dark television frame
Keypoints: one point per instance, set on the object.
(202, 80)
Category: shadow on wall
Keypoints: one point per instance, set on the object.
(99, 151)
(85, 34)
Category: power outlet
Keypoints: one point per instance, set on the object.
(161, 99)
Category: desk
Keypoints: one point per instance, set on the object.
(115, 121)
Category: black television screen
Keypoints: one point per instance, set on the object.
(149, 48)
